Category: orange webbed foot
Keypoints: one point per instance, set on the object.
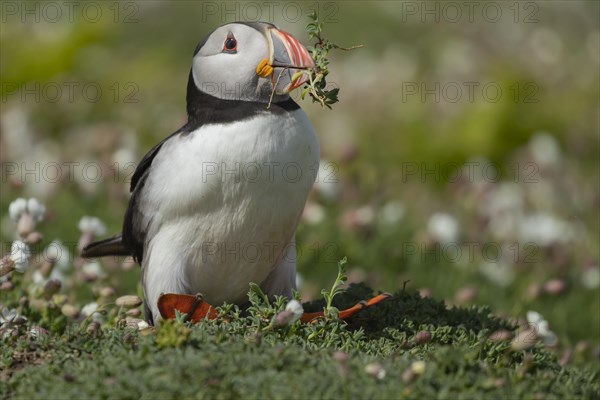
(194, 306)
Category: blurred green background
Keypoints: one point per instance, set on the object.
(463, 155)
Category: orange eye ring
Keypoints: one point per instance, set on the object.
(230, 44)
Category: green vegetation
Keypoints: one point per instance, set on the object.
(382, 353)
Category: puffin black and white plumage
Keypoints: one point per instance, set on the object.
(216, 204)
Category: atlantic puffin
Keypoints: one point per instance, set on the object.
(215, 205)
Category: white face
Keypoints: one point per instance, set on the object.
(225, 66)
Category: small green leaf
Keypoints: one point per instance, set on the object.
(316, 86)
(180, 317)
(256, 295)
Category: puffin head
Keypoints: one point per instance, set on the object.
(249, 61)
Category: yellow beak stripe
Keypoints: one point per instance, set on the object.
(264, 69)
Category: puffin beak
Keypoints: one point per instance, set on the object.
(289, 62)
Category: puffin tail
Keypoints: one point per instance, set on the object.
(112, 246)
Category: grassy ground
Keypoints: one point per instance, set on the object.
(382, 353)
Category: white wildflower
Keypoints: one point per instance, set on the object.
(36, 209)
(443, 227)
(545, 230)
(313, 213)
(92, 225)
(16, 208)
(391, 213)
(55, 275)
(327, 181)
(541, 328)
(93, 269)
(292, 313)
(545, 150)
(31, 206)
(590, 278)
(124, 157)
(38, 278)
(503, 205)
(545, 46)
(358, 218)
(91, 309)
(59, 254)
(503, 198)
(142, 325)
(19, 254)
(364, 215)
(296, 308)
(499, 273)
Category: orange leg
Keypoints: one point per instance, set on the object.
(197, 309)
(347, 313)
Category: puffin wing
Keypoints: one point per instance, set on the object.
(112, 246)
(134, 229)
(131, 241)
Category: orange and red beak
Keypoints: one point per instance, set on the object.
(287, 57)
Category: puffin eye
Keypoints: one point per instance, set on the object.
(230, 45)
